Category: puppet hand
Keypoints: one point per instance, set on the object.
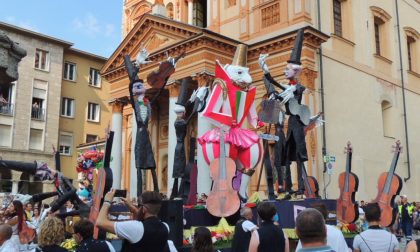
(142, 56)
(288, 94)
(261, 62)
(202, 92)
(193, 96)
(172, 61)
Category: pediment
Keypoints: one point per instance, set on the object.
(154, 32)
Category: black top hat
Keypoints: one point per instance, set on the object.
(183, 93)
(297, 49)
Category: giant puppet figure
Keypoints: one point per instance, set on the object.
(298, 119)
(230, 103)
(143, 151)
(197, 101)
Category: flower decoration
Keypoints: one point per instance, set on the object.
(89, 160)
(69, 244)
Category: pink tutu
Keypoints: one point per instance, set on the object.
(241, 138)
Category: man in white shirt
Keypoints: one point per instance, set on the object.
(7, 245)
(243, 230)
(146, 233)
(335, 238)
(375, 238)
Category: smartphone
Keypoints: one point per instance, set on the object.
(120, 193)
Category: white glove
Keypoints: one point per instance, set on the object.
(288, 94)
(199, 93)
(172, 61)
(202, 92)
(142, 56)
(263, 65)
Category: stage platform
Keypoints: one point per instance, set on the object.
(287, 211)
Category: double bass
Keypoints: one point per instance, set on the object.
(389, 185)
(103, 180)
(347, 208)
(310, 183)
(222, 201)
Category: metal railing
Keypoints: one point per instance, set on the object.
(6, 108)
(38, 114)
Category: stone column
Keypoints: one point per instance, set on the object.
(133, 169)
(173, 97)
(116, 153)
(190, 12)
(203, 125)
(15, 181)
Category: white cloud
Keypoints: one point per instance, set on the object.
(92, 27)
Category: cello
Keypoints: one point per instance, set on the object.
(389, 185)
(311, 185)
(158, 78)
(222, 201)
(347, 208)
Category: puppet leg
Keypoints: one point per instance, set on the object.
(139, 182)
(248, 158)
(174, 192)
(300, 166)
(155, 182)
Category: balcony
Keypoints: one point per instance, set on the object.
(38, 114)
(6, 109)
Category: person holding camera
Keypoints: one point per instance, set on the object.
(146, 232)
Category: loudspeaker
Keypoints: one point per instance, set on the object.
(172, 213)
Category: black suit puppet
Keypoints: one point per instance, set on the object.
(198, 99)
(143, 152)
(295, 138)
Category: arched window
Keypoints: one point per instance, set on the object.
(413, 49)
(387, 120)
(380, 24)
(170, 10)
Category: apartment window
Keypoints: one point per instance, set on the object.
(270, 15)
(93, 112)
(67, 107)
(91, 138)
(36, 139)
(42, 59)
(5, 133)
(387, 122)
(38, 110)
(338, 26)
(66, 142)
(377, 23)
(94, 77)
(6, 99)
(69, 71)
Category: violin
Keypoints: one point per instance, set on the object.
(103, 184)
(311, 185)
(347, 208)
(222, 201)
(158, 78)
(389, 185)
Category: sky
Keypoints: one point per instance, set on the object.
(91, 25)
